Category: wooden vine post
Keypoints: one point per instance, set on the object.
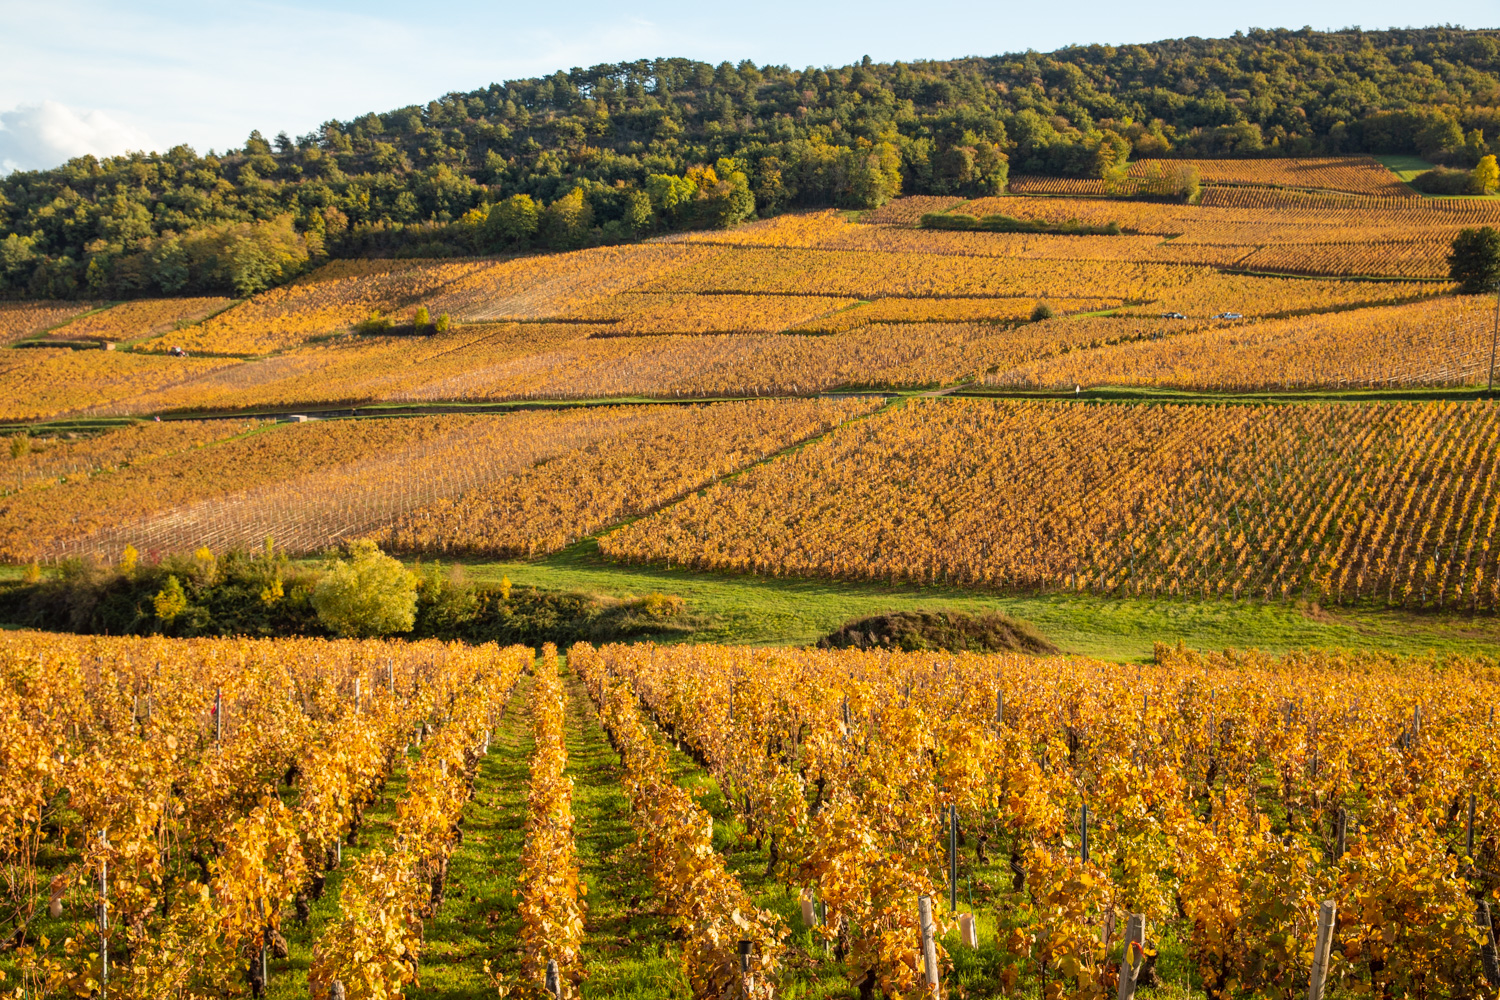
(744, 953)
(1322, 948)
(1134, 958)
(1469, 835)
(104, 918)
(1487, 957)
(929, 943)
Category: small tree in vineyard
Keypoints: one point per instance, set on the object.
(1475, 260)
(370, 594)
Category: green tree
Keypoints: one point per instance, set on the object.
(1439, 135)
(252, 265)
(1485, 175)
(17, 257)
(1474, 261)
(1111, 155)
(725, 200)
(637, 217)
(169, 265)
(511, 222)
(871, 174)
(369, 595)
(170, 601)
(670, 195)
(1474, 146)
(567, 221)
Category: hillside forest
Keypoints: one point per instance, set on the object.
(615, 152)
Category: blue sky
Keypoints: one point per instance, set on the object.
(103, 76)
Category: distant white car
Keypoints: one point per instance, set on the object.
(1173, 316)
(1229, 316)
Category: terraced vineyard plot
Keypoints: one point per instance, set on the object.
(872, 275)
(1263, 229)
(1386, 503)
(1440, 342)
(359, 370)
(647, 458)
(19, 320)
(454, 483)
(636, 314)
(1355, 174)
(139, 318)
(42, 383)
(899, 355)
(328, 301)
(103, 513)
(987, 310)
(49, 461)
(549, 285)
(1064, 186)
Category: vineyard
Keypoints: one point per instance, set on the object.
(1440, 342)
(1354, 174)
(240, 818)
(797, 304)
(1388, 503)
(210, 788)
(39, 383)
(441, 484)
(1238, 404)
(740, 401)
(139, 319)
(19, 320)
(1054, 813)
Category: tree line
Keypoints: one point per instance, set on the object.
(617, 151)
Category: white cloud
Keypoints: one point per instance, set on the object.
(37, 136)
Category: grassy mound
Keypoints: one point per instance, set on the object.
(946, 630)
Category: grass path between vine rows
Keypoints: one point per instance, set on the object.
(288, 976)
(628, 952)
(479, 921)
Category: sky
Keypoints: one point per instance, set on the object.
(106, 76)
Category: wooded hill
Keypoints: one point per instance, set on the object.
(613, 152)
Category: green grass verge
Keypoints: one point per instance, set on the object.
(1405, 167)
(766, 611)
